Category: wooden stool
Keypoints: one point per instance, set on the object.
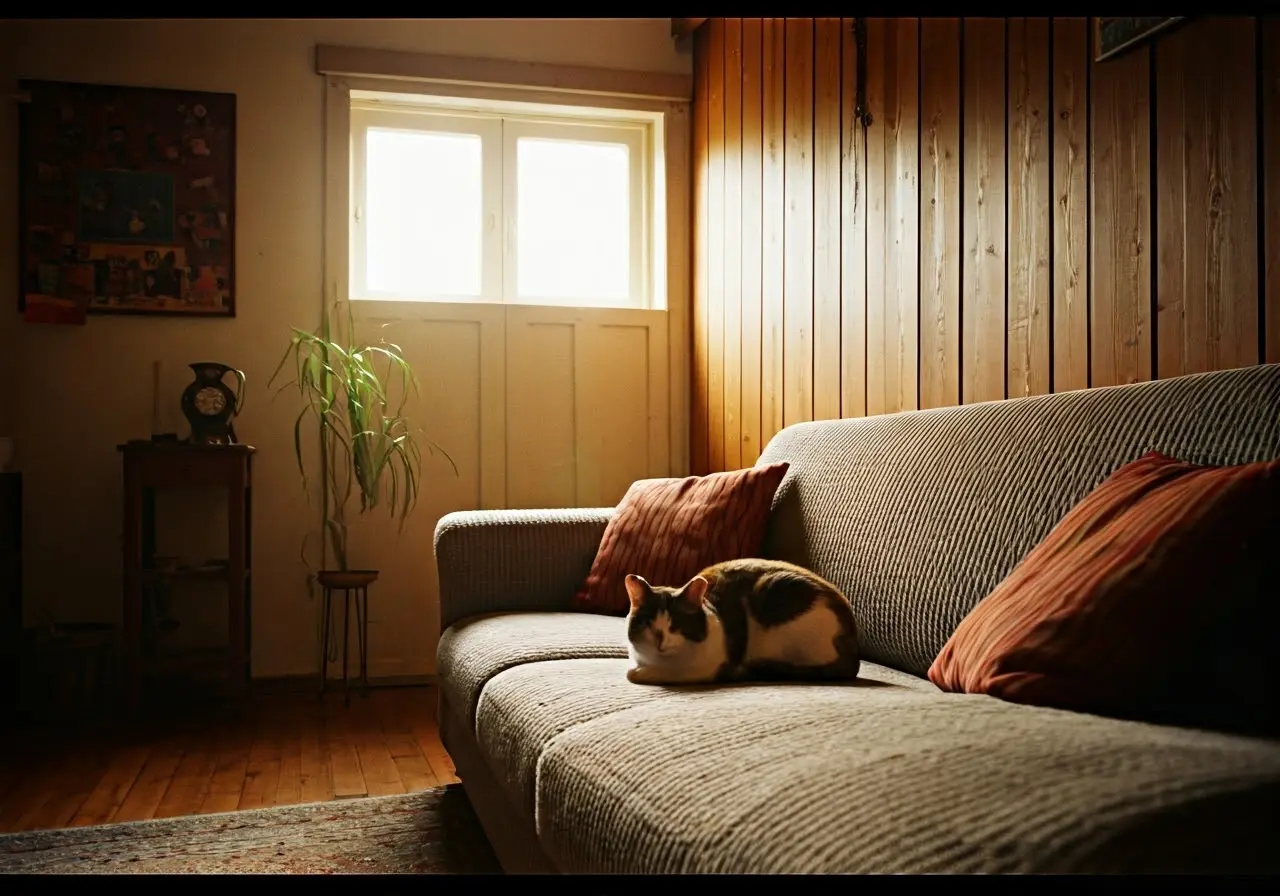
(347, 581)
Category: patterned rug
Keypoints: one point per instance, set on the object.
(433, 832)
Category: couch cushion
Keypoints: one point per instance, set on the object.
(1102, 615)
(527, 707)
(809, 778)
(668, 530)
(888, 774)
(475, 650)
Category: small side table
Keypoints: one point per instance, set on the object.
(149, 466)
(349, 582)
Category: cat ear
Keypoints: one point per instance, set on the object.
(694, 590)
(637, 588)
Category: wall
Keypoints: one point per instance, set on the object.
(1015, 220)
(74, 393)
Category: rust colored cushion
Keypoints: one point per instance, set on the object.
(1154, 598)
(667, 530)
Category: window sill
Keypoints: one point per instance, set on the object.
(428, 309)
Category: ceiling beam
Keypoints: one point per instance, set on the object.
(681, 28)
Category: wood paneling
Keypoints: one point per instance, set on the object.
(853, 234)
(752, 233)
(1069, 127)
(1029, 219)
(893, 66)
(984, 220)
(773, 213)
(1207, 221)
(1120, 331)
(797, 295)
(939, 213)
(716, 53)
(733, 243)
(1011, 218)
(826, 220)
(699, 412)
(596, 434)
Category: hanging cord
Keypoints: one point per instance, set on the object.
(860, 111)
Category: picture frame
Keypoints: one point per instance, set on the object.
(1113, 35)
(126, 201)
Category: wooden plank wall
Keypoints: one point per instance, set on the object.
(1015, 219)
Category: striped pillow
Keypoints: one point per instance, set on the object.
(1155, 597)
(667, 530)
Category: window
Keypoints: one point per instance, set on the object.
(455, 204)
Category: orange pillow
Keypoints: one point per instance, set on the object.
(1155, 597)
(667, 530)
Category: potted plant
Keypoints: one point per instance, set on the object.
(366, 443)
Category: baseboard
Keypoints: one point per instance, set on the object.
(298, 684)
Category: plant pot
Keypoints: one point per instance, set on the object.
(346, 578)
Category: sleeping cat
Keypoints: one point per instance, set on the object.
(744, 619)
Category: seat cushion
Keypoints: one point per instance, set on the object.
(831, 779)
(525, 708)
(888, 774)
(475, 650)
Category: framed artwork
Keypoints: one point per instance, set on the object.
(127, 201)
(1113, 35)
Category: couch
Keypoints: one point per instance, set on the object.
(917, 516)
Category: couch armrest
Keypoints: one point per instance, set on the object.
(493, 561)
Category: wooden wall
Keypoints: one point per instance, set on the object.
(1016, 219)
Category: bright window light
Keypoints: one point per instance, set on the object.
(481, 205)
(573, 220)
(424, 210)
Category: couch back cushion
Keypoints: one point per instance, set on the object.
(918, 516)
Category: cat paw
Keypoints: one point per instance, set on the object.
(638, 675)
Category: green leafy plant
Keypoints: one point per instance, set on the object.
(366, 444)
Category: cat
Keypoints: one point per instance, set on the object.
(741, 620)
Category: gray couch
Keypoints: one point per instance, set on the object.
(916, 516)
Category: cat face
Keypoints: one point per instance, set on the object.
(664, 622)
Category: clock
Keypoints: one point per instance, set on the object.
(209, 404)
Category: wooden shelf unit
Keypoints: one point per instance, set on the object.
(148, 467)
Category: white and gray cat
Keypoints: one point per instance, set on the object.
(745, 619)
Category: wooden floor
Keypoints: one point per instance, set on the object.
(284, 749)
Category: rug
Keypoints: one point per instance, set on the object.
(432, 832)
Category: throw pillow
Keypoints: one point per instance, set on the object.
(1154, 598)
(667, 530)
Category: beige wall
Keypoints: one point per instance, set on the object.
(74, 393)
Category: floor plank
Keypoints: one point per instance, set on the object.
(227, 783)
(420, 710)
(109, 795)
(381, 777)
(410, 761)
(286, 749)
(289, 787)
(29, 800)
(344, 761)
(262, 774)
(153, 781)
(190, 783)
(315, 778)
(77, 775)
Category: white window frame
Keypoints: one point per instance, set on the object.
(426, 121)
(499, 130)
